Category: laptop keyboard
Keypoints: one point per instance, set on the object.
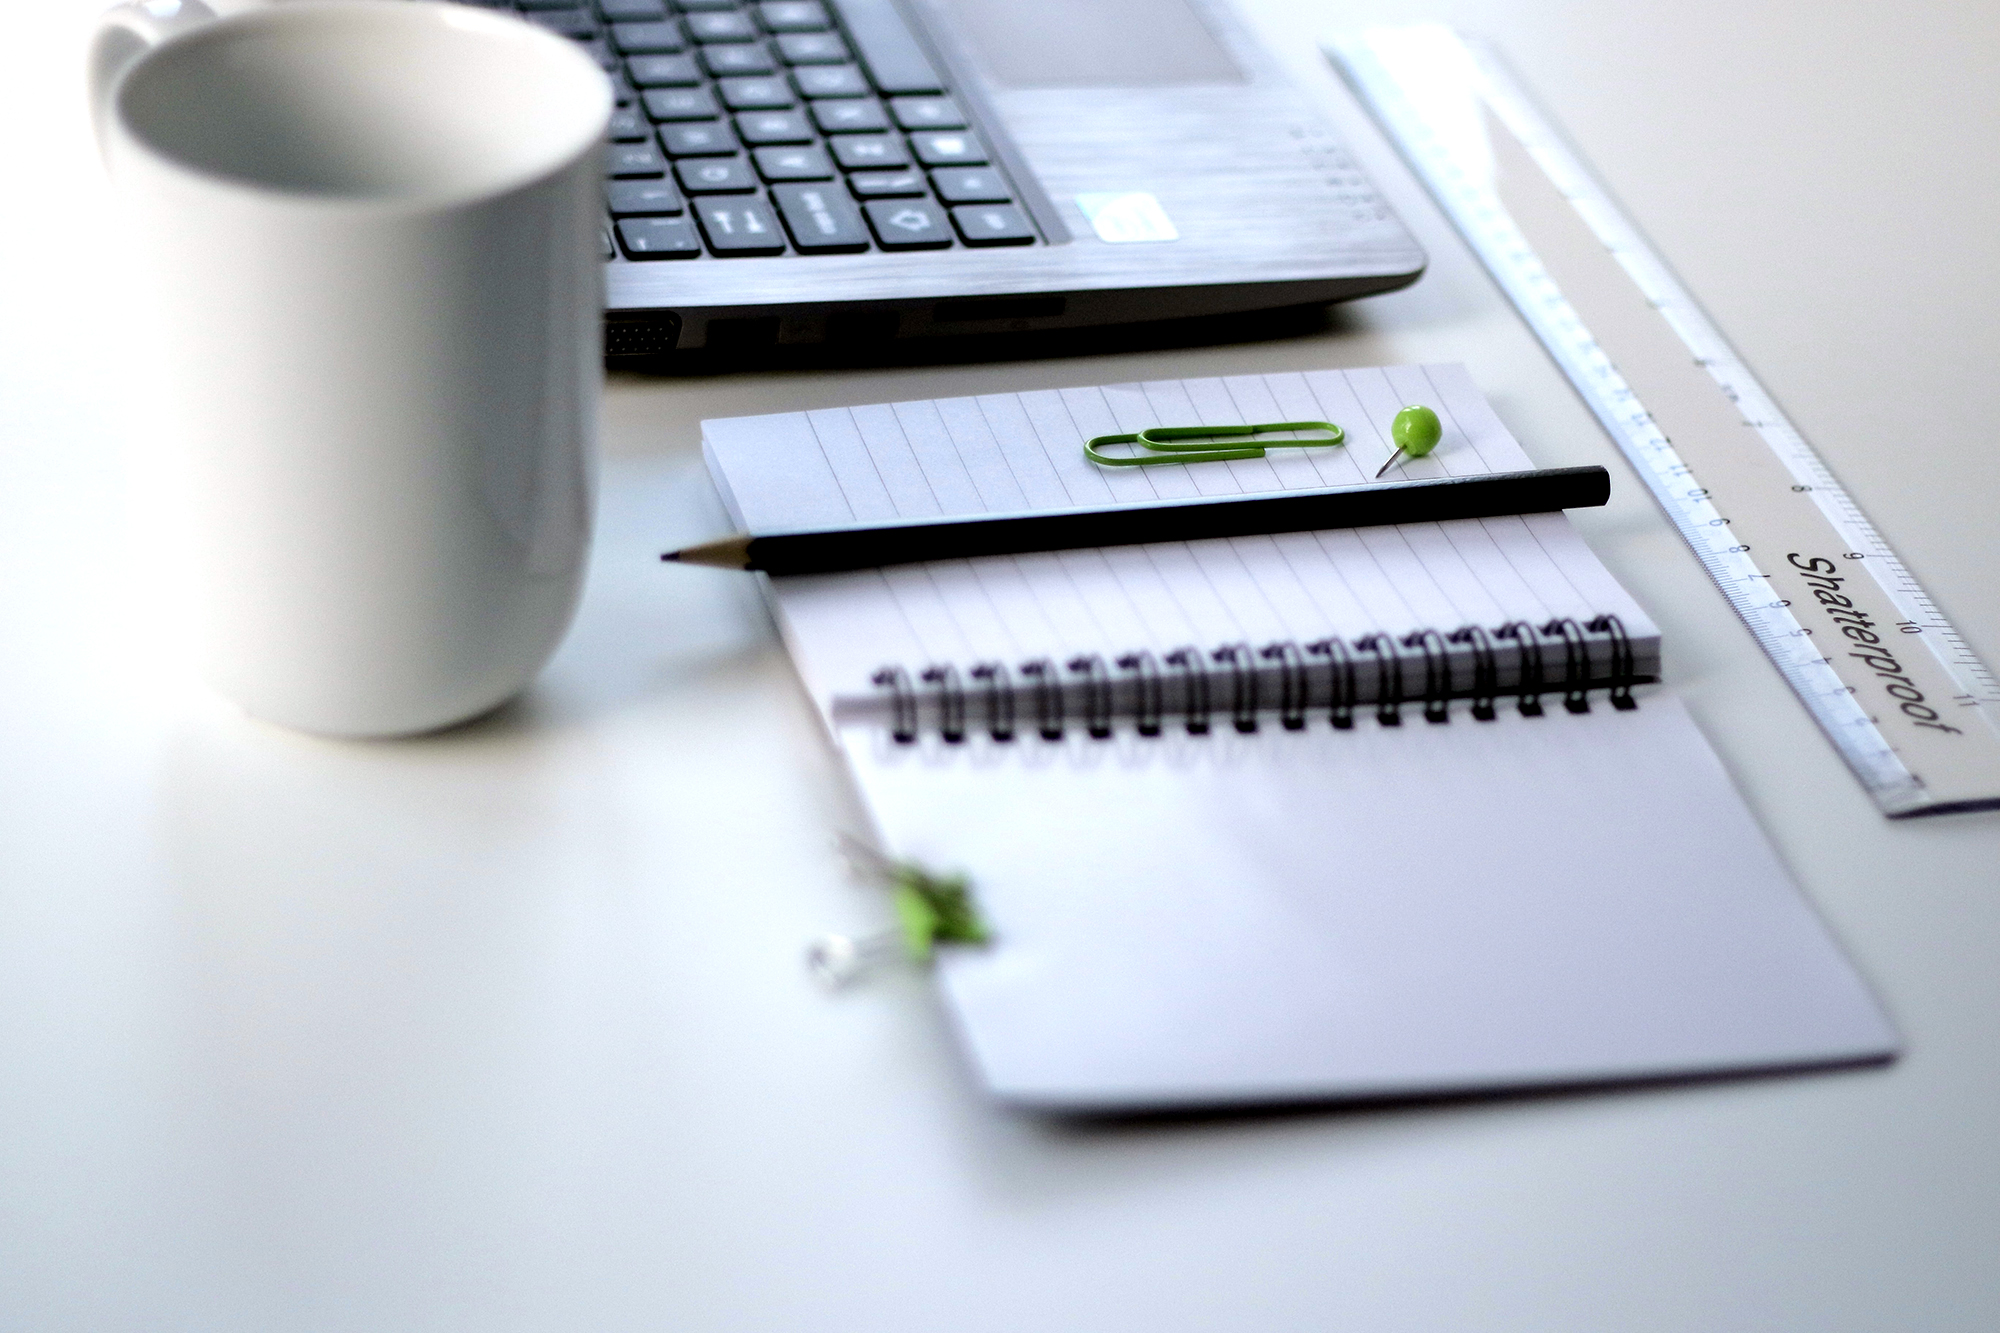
(771, 127)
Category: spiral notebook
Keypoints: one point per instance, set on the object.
(1373, 813)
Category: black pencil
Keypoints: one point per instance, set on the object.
(868, 545)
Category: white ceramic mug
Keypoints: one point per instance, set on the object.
(375, 225)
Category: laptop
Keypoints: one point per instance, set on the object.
(851, 172)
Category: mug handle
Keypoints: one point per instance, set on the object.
(126, 33)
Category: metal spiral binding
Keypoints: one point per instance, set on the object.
(1242, 684)
(1142, 690)
(1576, 663)
(950, 701)
(1532, 681)
(1388, 678)
(999, 695)
(1621, 660)
(904, 702)
(1194, 692)
(1437, 673)
(1150, 694)
(1292, 684)
(1048, 698)
(1486, 671)
(1340, 685)
(1096, 695)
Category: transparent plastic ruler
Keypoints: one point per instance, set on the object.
(1911, 709)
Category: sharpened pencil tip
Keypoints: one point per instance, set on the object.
(728, 553)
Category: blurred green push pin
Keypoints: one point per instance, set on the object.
(931, 909)
(1415, 432)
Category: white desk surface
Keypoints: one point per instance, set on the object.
(507, 1029)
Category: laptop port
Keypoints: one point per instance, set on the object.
(654, 335)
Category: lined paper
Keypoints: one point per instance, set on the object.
(1001, 453)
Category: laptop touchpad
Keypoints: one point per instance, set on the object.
(1090, 43)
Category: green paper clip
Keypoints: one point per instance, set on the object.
(1197, 444)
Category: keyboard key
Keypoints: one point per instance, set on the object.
(765, 127)
(626, 161)
(743, 58)
(970, 185)
(680, 103)
(700, 138)
(715, 175)
(755, 94)
(631, 11)
(849, 117)
(793, 16)
(861, 152)
(895, 61)
(564, 22)
(915, 224)
(821, 219)
(640, 199)
(792, 164)
(829, 81)
(737, 227)
(992, 224)
(629, 125)
(647, 38)
(812, 48)
(927, 113)
(947, 149)
(887, 184)
(662, 72)
(721, 26)
(658, 238)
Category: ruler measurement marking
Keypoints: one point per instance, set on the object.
(1908, 773)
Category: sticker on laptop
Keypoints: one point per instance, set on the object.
(1131, 215)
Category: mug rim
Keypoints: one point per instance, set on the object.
(434, 15)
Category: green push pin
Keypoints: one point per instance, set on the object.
(935, 909)
(931, 909)
(1415, 432)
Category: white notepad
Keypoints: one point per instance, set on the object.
(1273, 907)
(1016, 452)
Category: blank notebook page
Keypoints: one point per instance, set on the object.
(1002, 453)
(1379, 912)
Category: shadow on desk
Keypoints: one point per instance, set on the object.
(1259, 326)
(1083, 1126)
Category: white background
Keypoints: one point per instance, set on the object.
(506, 1029)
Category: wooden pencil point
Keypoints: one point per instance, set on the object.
(728, 553)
